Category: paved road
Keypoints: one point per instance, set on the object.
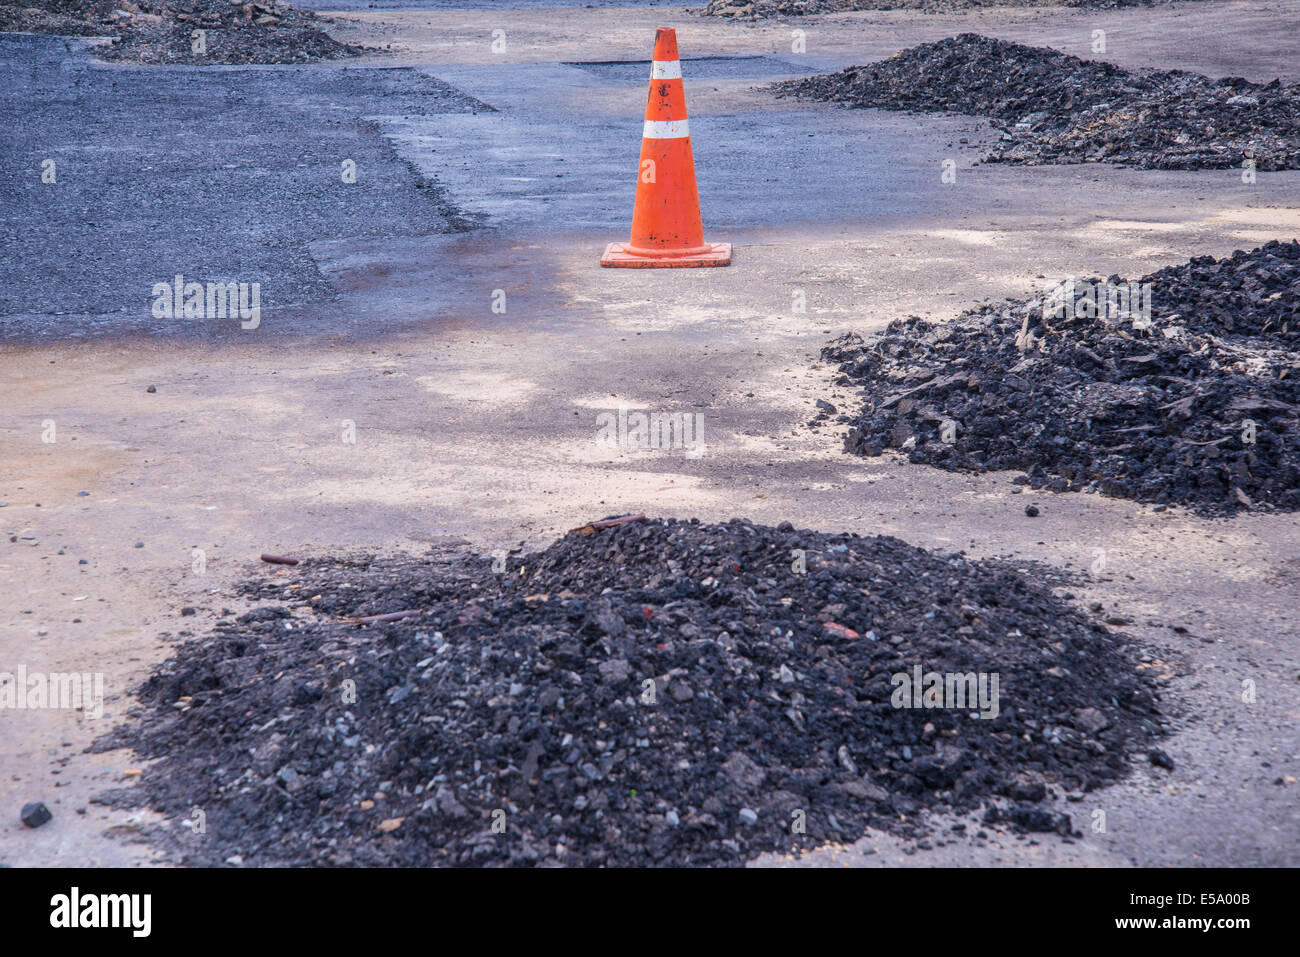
(476, 424)
(218, 174)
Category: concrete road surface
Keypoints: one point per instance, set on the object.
(449, 308)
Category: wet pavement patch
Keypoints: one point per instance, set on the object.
(1056, 108)
(135, 175)
(658, 691)
(1194, 401)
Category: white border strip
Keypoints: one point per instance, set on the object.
(666, 70)
(667, 129)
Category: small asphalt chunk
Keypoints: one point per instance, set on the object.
(35, 814)
(1031, 511)
(1160, 759)
(614, 670)
(1029, 792)
(1091, 720)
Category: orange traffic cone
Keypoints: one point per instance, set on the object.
(666, 229)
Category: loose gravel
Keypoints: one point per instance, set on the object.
(1197, 404)
(1057, 108)
(658, 692)
(166, 31)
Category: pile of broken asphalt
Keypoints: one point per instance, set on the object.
(163, 31)
(763, 9)
(1056, 108)
(656, 692)
(1201, 408)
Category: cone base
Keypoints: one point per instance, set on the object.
(616, 256)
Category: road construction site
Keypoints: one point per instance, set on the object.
(437, 342)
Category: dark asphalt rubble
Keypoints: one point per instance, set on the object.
(161, 31)
(763, 9)
(524, 695)
(63, 17)
(1057, 108)
(1200, 409)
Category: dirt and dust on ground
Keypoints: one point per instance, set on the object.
(476, 425)
(639, 692)
(1055, 108)
(765, 9)
(195, 32)
(1180, 388)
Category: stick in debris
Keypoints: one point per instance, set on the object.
(391, 616)
(279, 560)
(592, 527)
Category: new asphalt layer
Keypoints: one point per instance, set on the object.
(218, 174)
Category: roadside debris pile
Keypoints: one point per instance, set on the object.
(164, 31)
(1197, 404)
(649, 692)
(64, 17)
(762, 9)
(1056, 108)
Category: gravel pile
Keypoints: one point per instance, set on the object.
(161, 31)
(1056, 108)
(763, 9)
(64, 17)
(658, 692)
(1201, 407)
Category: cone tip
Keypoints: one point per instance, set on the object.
(665, 44)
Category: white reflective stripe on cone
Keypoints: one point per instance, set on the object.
(667, 129)
(666, 70)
